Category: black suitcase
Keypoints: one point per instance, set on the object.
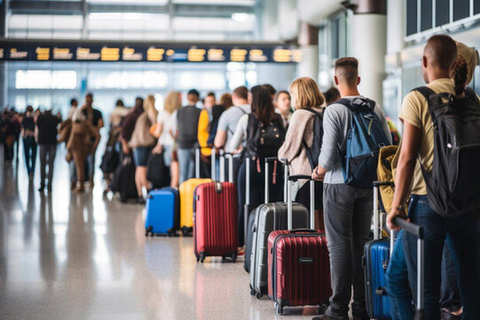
(124, 180)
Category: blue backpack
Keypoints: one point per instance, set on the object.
(365, 139)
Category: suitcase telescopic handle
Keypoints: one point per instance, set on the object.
(376, 206)
(417, 231)
(198, 150)
(269, 160)
(295, 178)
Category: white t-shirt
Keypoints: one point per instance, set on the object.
(168, 123)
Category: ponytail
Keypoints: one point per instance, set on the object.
(459, 74)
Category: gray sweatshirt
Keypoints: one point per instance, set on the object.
(336, 124)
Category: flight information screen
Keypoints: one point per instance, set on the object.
(31, 50)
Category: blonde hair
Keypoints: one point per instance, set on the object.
(149, 103)
(306, 93)
(172, 102)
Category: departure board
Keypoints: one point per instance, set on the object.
(92, 51)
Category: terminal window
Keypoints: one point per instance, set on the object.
(45, 79)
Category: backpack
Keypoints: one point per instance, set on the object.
(264, 140)
(364, 140)
(313, 152)
(453, 185)
(217, 111)
(110, 160)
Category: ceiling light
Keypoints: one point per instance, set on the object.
(240, 17)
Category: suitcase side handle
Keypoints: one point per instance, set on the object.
(303, 230)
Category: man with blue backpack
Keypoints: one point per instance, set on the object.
(355, 128)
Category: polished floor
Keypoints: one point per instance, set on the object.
(68, 256)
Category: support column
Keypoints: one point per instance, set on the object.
(396, 26)
(308, 41)
(370, 45)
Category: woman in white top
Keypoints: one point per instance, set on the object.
(165, 131)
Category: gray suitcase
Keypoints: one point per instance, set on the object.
(270, 217)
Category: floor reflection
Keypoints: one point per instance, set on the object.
(68, 256)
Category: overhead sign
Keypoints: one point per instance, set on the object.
(31, 50)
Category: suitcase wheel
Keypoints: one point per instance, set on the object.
(149, 231)
(202, 257)
(234, 257)
(279, 308)
(252, 292)
(186, 231)
(198, 259)
(259, 295)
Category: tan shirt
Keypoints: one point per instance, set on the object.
(300, 130)
(415, 112)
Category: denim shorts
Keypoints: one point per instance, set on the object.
(141, 155)
(167, 155)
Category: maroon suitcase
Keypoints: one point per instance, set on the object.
(215, 221)
(298, 263)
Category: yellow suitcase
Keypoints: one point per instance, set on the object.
(186, 204)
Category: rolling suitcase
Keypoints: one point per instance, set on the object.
(124, 180)
(267, 218)
(298, 262)
(187, 189)
(375, 263)
(162, 208)
(377, 255)
(215, 228)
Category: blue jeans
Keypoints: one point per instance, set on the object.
(460, 234)
(186, 161)
(30, 148)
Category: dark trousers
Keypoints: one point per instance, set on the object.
(30, 148)
(460, 234)
(47, 158)
(348, 216)
(257, 190)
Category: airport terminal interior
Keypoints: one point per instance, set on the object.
(77, 249)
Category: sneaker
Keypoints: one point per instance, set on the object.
(73, 185)
(449, 315)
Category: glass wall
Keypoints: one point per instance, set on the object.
(52, 85)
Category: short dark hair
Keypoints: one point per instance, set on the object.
(73, 101)
(211, 94)
(283, 92)
(89, 95)
(29, 109)
(347, 70)
(241, 92)
(331, 95)
(120, 103)
(442, 50)
(194, 92)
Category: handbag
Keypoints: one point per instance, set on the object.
(141, 136)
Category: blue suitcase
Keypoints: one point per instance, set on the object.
(163, 212)
(377, 255)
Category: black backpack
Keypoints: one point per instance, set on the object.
(264, 140)
(124, 179)
(453, 185)
(157, 172)
(313, 152)
(110, 160)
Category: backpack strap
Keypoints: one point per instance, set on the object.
(426, 92)
(352, 106)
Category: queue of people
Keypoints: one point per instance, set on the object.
(312, 134)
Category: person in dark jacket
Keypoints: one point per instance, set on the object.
(128, 125)
(46, 131)
(29, 143)
(187, 129)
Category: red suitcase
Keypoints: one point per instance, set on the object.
(215, 221)
(298, 263)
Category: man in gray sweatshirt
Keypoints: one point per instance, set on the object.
(347, 209)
